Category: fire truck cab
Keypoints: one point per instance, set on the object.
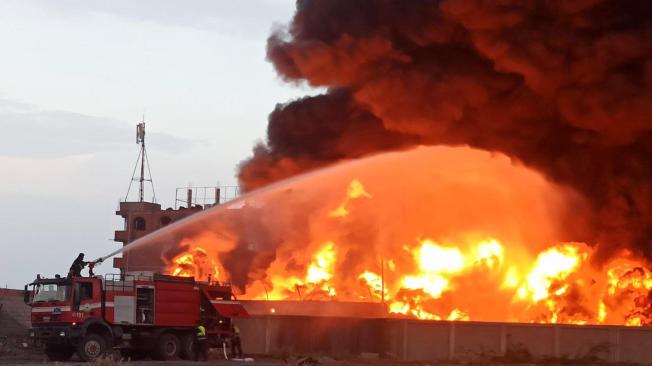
(141, 314)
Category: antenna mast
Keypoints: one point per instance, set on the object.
(142, 160)
(140, 138)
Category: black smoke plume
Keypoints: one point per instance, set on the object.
(564, 87)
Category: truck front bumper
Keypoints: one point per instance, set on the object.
(55, 333)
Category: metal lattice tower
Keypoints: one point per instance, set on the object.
(142, 161)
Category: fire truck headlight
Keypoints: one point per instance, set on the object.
(62, 333)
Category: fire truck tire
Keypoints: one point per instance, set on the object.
(58, 352)
(93, 346)
(167, 347)
(188, 347)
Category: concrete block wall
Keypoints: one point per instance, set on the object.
(337, 337)
(413, 340)
(633, 345)
(14, 314)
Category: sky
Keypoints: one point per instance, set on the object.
(76, 76)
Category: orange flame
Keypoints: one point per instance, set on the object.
(356, 190)
(472, 277)
(194, 263)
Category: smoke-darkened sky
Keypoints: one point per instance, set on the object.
(564, 87)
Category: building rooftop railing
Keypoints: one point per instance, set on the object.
(204, 196)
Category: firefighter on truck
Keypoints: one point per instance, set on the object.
(139, 314)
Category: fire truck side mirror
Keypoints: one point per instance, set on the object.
(27, 296)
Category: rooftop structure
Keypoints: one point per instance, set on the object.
(142, 217)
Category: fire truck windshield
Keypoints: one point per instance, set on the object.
(52, 292)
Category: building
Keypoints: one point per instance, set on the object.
(142, 217)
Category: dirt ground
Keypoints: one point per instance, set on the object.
(31, 358)
(20, 351)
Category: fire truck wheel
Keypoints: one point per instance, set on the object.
(168, 347)
(58, 352)
(187, 347)
(93, 346)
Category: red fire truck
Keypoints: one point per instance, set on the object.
(140, 314)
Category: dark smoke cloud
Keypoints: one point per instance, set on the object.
(315, 131)
(563, 86)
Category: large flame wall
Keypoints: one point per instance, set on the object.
(435, 232)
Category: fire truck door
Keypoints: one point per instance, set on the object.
(84, 299)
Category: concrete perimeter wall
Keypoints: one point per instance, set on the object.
(413, 340)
